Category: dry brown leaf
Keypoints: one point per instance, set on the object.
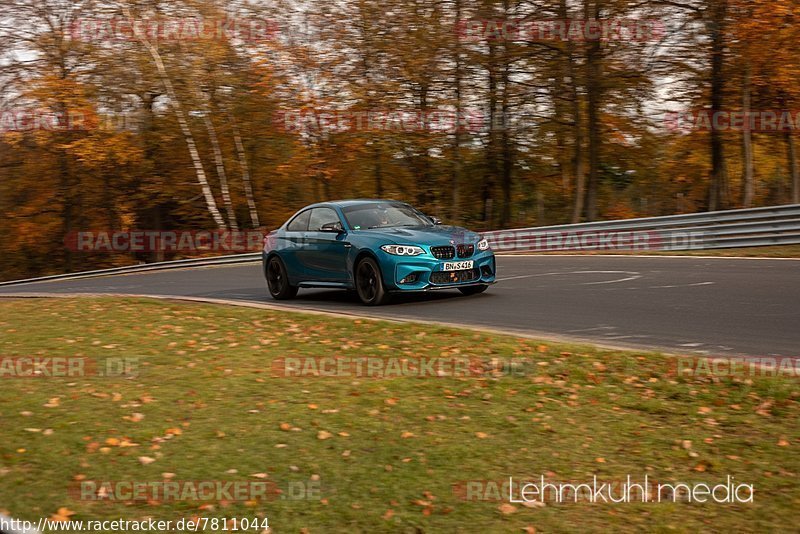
(507, 508)
(63, 514)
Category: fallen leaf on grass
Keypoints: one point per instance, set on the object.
(507, 508)
(324, 434)
(63, 514)
(481, 435)
(146, 460)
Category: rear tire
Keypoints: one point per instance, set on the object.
(473, 290)
(278, 280)
(369, 283)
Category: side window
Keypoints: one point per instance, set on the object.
(299, 223)
(320, 217)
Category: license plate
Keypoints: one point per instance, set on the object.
(457, 265)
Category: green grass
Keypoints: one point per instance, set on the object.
(205, 370)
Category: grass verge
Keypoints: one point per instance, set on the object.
(384, 454)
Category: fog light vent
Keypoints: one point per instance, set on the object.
(410, 279)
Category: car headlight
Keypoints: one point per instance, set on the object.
(402, 250)
(483, 244)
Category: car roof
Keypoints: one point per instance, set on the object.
(355, 202)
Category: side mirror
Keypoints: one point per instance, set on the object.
(435, 220)
(334, 227)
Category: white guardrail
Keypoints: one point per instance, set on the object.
(778, 225)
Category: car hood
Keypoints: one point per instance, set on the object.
(426, 235)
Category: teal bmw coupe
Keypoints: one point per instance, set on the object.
(376, 248)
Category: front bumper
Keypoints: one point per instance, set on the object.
(426, 273)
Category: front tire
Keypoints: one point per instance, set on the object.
(278, 280)
(369, 283)
(473, 290)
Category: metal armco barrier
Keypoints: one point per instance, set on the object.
(162, 266)
(778, 225)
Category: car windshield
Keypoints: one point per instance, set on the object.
(383, 215)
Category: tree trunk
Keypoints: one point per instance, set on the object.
(378, 171)
(748, 178)
(577, 128)
(245, 168)
(491, 146)
(220, 165)
(717, 197)
(593, 89)
(455, 180)
(506, 180)
(794, 170)
(211, 203)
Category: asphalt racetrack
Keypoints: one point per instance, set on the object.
(710, 306)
